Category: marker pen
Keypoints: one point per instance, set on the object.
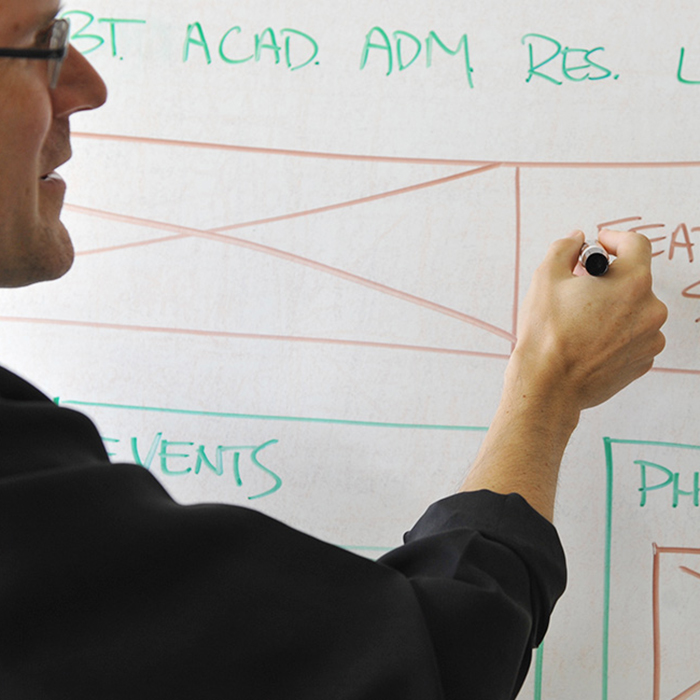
(594, 258)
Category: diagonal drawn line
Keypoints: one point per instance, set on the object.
(217, 235)
(100, 325)
(284, 217)
(689, 692)
(686, 570)
(122, 246)
(307, 262)
(361, 200)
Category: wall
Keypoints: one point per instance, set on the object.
(303, 233)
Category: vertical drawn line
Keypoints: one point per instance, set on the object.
(657, 625)
(608, 547)
(518, 233)
(539, 665)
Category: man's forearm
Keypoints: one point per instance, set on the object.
(580, 341)
(524, 447)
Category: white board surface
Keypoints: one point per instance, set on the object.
(303, 233)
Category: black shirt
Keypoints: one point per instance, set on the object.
(109, 589)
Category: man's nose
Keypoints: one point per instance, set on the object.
(79, 87)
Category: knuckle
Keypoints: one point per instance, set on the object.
(556, 249)
(660, 343)
(662, 312)
(642, 277)
(638, 241)
(541, 271)
(641, 241)
(639, 284)
(560, 244)
(656, 314)
(647, 367)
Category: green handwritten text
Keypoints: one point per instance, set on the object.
(666, 479)
(180, 458)
(89, 41)
(555, 63)
(289, 47)
(396, 55)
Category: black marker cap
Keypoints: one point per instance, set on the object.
(594, 258)
(597, 264)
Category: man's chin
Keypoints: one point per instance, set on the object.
(50, 262)
(15, 279)
(52, 270)
(55, 272)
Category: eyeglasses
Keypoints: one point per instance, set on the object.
(54, 43)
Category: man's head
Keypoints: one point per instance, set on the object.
(34, 141)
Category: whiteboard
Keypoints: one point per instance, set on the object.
(303, 233)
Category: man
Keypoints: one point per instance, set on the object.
(34, 245)
(108, 589)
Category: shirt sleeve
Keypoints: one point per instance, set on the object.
(110, 589)
(487, 571)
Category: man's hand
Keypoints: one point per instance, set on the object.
(585, 338)
(581, 339)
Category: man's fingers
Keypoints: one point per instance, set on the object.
(562, 256)
(628, 246)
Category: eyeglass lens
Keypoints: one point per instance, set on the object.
(58, 40)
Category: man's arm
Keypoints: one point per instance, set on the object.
(581, 340)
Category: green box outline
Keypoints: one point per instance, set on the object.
(608, 443)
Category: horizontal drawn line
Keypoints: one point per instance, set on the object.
(607, 165)
(652, 443)
(671, 370)
(616, 222)
(288, 419)
(307, 262)
(675, 550)
(381, 159)
(648, 227)
(251, 336)
(277, 151)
